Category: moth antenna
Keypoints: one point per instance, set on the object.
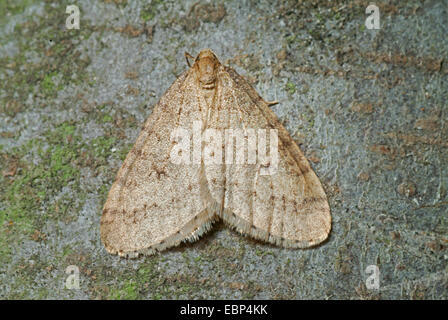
(187, 55)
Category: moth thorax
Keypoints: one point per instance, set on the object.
(206, 68)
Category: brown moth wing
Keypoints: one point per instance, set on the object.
(155, 204)
(288, 208)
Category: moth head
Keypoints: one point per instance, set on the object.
(206, 65)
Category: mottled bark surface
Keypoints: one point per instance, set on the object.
(368, 108)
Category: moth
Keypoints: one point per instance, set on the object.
(201, 156)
